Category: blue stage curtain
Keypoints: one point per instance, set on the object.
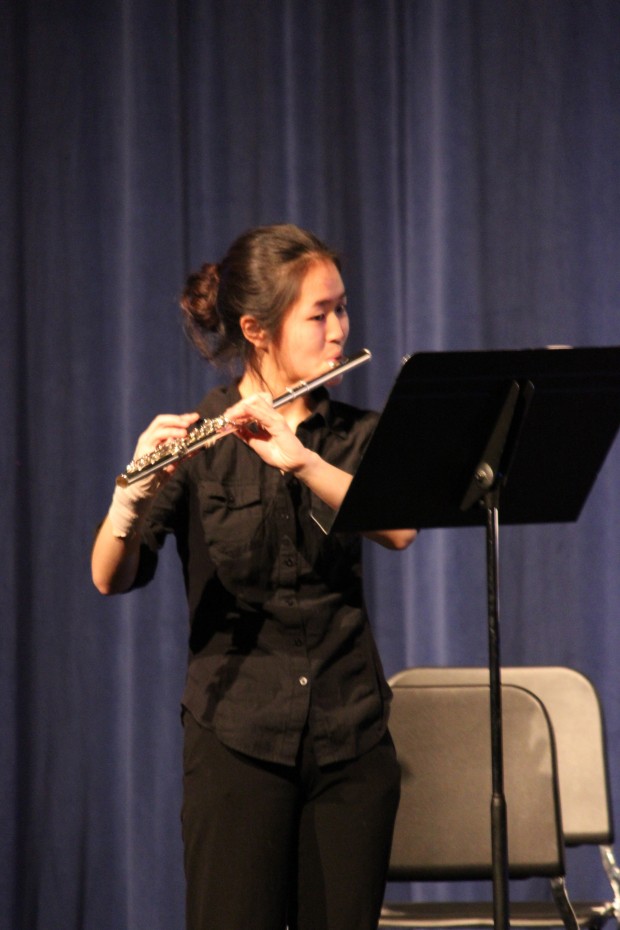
(464, 156)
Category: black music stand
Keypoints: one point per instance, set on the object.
(467, 436)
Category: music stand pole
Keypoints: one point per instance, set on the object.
(489, 474)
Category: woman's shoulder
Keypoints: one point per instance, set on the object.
(347, 417)
(217, 400)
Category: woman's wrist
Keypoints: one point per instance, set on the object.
(127, 513)
(308, 464)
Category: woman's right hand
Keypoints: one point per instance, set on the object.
(129, 504)
(164, 427)
(115, 554)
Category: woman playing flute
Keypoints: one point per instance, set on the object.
(290, 778)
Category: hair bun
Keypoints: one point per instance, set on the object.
(199, 299)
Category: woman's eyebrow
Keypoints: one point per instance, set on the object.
(331, 300)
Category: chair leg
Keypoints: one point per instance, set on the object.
(562, 901)
(612, 871)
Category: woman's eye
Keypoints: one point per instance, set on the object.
(339, 309)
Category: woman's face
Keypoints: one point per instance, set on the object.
(316, 326)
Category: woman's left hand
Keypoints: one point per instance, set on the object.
(267, 433)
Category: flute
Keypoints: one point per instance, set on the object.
(207, 431)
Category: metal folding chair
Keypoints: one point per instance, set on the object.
(574, 710)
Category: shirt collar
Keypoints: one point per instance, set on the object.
(323, 414)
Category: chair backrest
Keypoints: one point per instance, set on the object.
(443, 827)
(574, 709)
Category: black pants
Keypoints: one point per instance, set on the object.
(268, 846)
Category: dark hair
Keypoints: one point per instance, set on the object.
(261, 276)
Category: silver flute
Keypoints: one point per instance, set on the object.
(207, 431)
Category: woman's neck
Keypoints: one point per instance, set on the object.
(294, 412)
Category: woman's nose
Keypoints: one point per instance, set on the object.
(336, 329)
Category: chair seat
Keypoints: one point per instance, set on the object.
(480, 914)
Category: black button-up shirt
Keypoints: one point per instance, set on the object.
(280, 637)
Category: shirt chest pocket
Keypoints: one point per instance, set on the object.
(232, 517)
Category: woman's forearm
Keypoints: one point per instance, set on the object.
(114, 561)
(331, 484)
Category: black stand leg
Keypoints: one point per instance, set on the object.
(499, 836)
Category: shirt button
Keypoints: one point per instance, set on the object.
(303, 681)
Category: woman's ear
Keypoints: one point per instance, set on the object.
(253, 332)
